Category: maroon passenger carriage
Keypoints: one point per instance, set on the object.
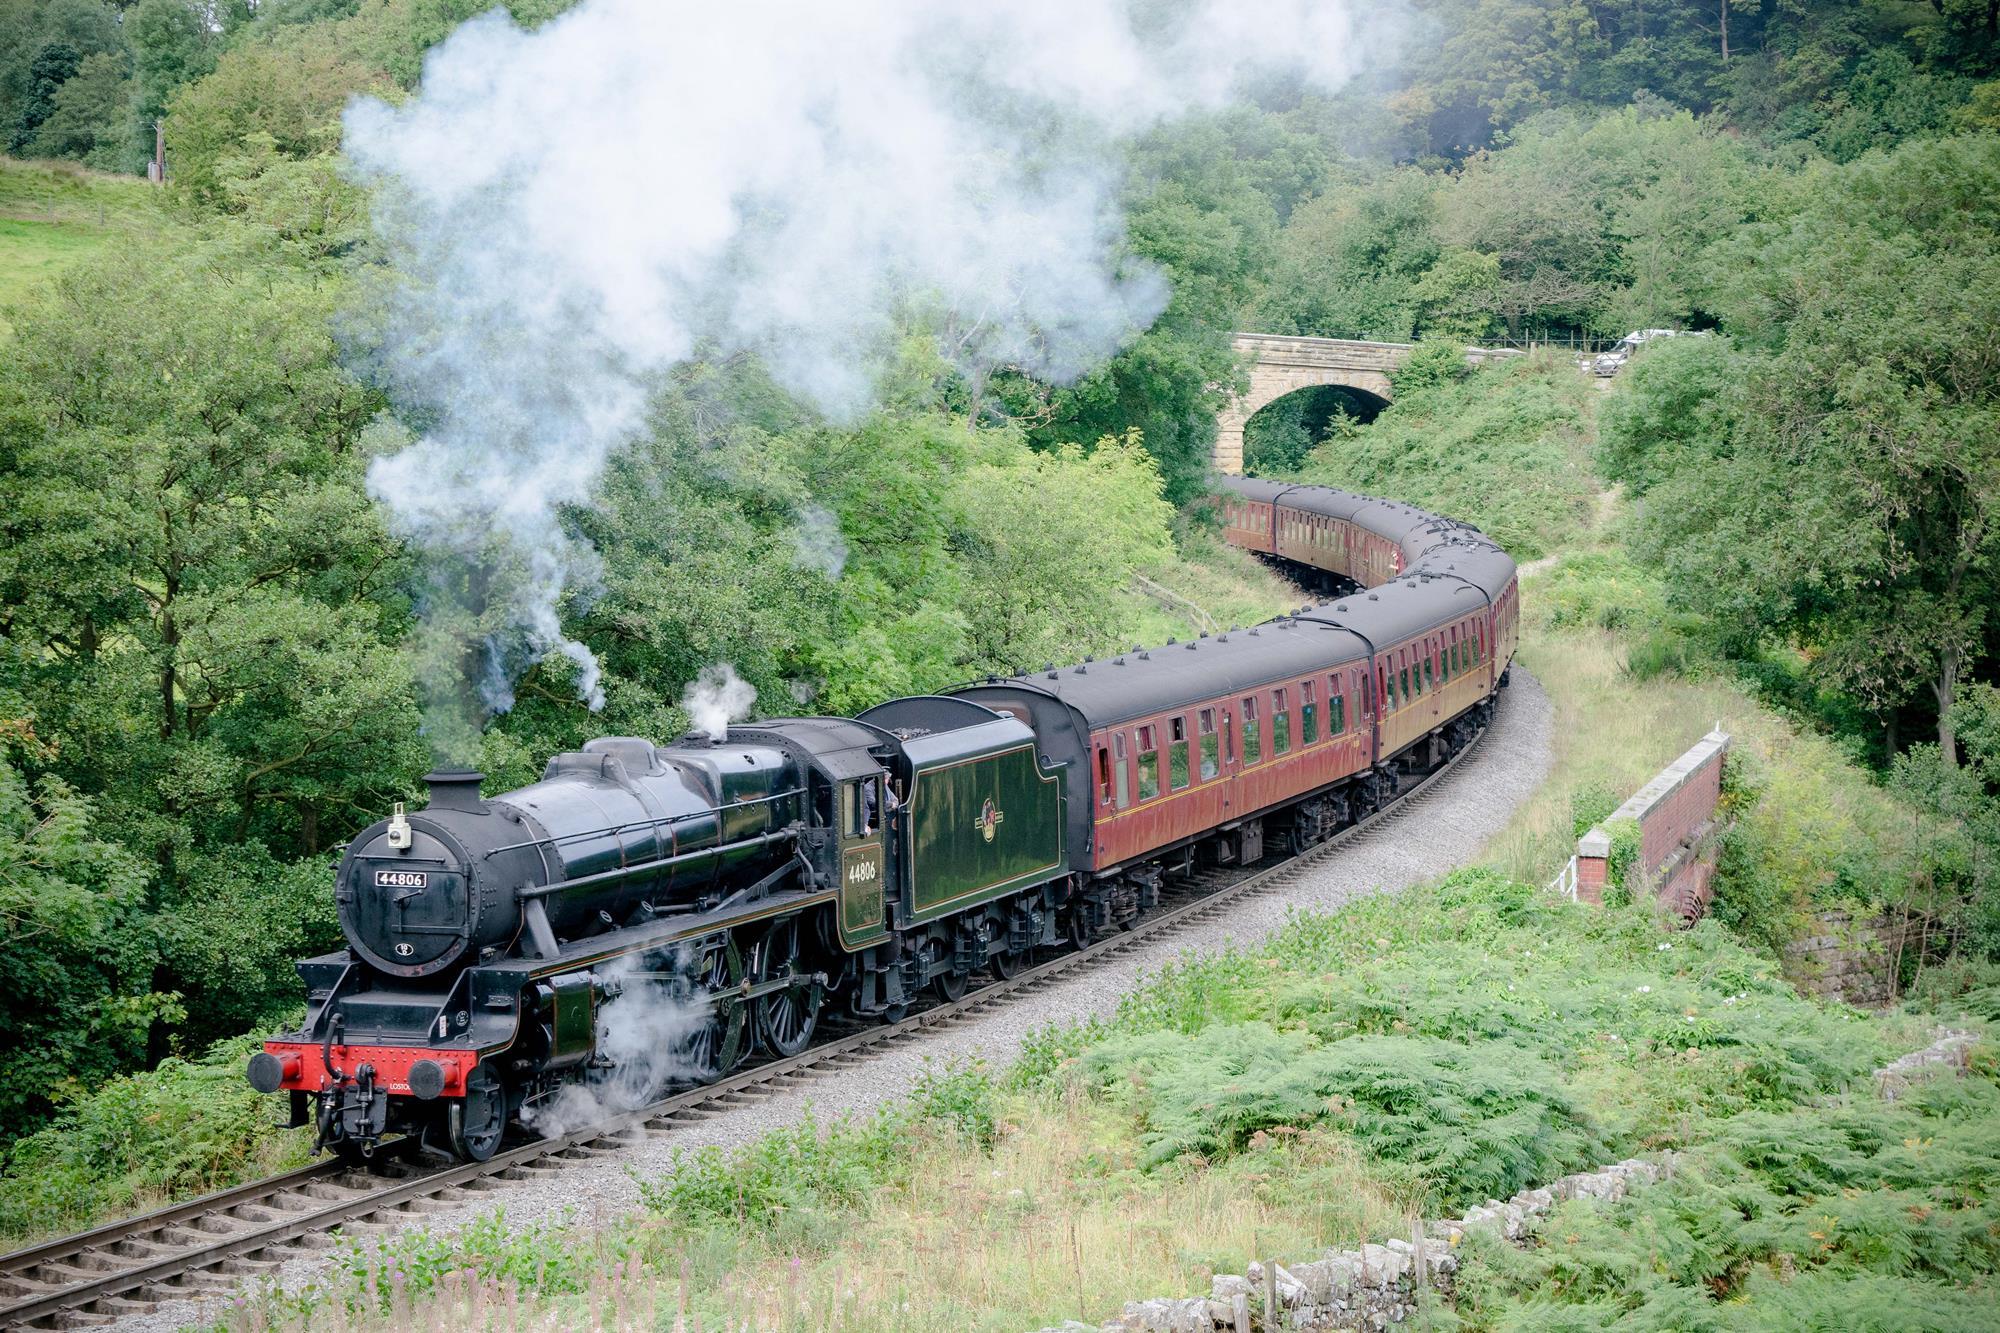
(1293, 728)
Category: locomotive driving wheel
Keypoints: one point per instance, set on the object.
(785, 1018)
(477, 1121)
(714, 1045)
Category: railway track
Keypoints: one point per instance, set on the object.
(208, 1246)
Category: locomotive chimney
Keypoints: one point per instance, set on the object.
(454, 788)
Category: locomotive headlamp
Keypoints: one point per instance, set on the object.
(398, 832)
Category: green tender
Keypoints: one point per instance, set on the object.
(980, 827)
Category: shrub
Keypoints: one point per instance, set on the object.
(1464, 1122)
(184, 1128)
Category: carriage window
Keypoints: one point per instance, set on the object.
(1149, 764)
(1388, 689)
(1121, 775)
(1281, 722)
(1104, 775)
(1253, 740)
(1211, 763)
(1308, 715)
(1430, 673)
(1404, 681)
(1336, 715)
(1177, 754)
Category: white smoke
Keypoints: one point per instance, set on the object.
(572, 211)
(716, 698)
(641, 1039)
(817, 543)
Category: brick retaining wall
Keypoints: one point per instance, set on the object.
(1676, 815)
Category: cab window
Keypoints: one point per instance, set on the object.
(860, 807)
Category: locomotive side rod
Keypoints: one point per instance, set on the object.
(152, 1282)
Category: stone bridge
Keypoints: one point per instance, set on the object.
(1281, 364)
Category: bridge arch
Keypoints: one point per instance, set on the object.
(1281, 364)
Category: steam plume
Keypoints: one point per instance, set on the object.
(574, 210)
(716, 698)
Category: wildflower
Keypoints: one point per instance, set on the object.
(1644, 990)
(1665, 945)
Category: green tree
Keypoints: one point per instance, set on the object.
(53, 66)
(77, 958)
(200, 602)
(1851, 505)
(174, 42)
(1348, 263)
(265, 103)
(90, 115)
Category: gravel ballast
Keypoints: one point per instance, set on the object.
(1466, 809)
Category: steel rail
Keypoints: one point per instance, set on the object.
(191, 1273)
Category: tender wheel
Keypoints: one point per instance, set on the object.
(1006, 966)
(786, 1019)
(478, 1121)
(1076, 927)
(949, 984)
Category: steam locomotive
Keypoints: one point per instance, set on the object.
(730, 890)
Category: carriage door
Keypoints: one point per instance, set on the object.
(860, 814)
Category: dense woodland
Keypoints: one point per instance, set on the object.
(204, 686)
